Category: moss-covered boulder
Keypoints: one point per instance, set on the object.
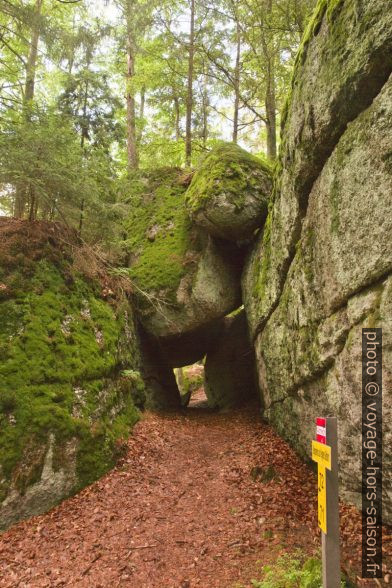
(189, 379)
(230, 371)
(69, 369)
(183, 278)
(229, 193)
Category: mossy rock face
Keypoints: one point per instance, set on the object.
(65, 404)
(183, 279)
(339, 281)
(344, 60)
(229, 193)
(230, 371)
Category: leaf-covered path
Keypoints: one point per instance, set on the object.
(181, 510)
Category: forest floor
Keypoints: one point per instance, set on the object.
(190, 505)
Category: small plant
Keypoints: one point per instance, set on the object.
(292, 570)
(132, 375)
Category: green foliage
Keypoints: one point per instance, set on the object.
(44, 156)
(292, 570)
(289, 571)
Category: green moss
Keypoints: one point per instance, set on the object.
(103, 442)
(157, 204)
(59, 354)
(226, 169)
(323, 8)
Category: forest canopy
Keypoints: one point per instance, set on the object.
(92, 92)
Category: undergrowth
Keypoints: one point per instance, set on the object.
(292, 570)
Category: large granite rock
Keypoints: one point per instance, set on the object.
(183, 278)
(322, 268)
(343, 62)
(69, 369)
(230, 192)
(188, 348)
(158, 375)
(230, 372)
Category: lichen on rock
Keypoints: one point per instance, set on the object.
(320, 271)
(343, 63)
(229, 193)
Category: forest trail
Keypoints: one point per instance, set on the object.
(180, 510)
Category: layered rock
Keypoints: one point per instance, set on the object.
(183, 278)
(343, 62)
(230, 192)
(69, 373)
(321, 270)
(230, 372)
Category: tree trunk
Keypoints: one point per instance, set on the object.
(206, 104)
(142, 102)
(31, 65)
(270, 93)
(177, 117)
(189, 97)
(141, 114)
(84, 135)
(237, 85)
(23, 192)
(270, 110)
(133, 161)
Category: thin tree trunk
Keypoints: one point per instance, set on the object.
(177, 117)
(206, 104)
(270, 92)
(189, 97)
(84, 135)
(133, 161)
(237, 85)
(142, 102)
(141, 114)
(33, 54)
(270, 110)
(23, 191)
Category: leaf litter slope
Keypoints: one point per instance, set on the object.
(200, 499)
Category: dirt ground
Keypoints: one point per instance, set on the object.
(201, 499)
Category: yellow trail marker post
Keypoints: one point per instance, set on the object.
(325, 454)
(322, 455)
